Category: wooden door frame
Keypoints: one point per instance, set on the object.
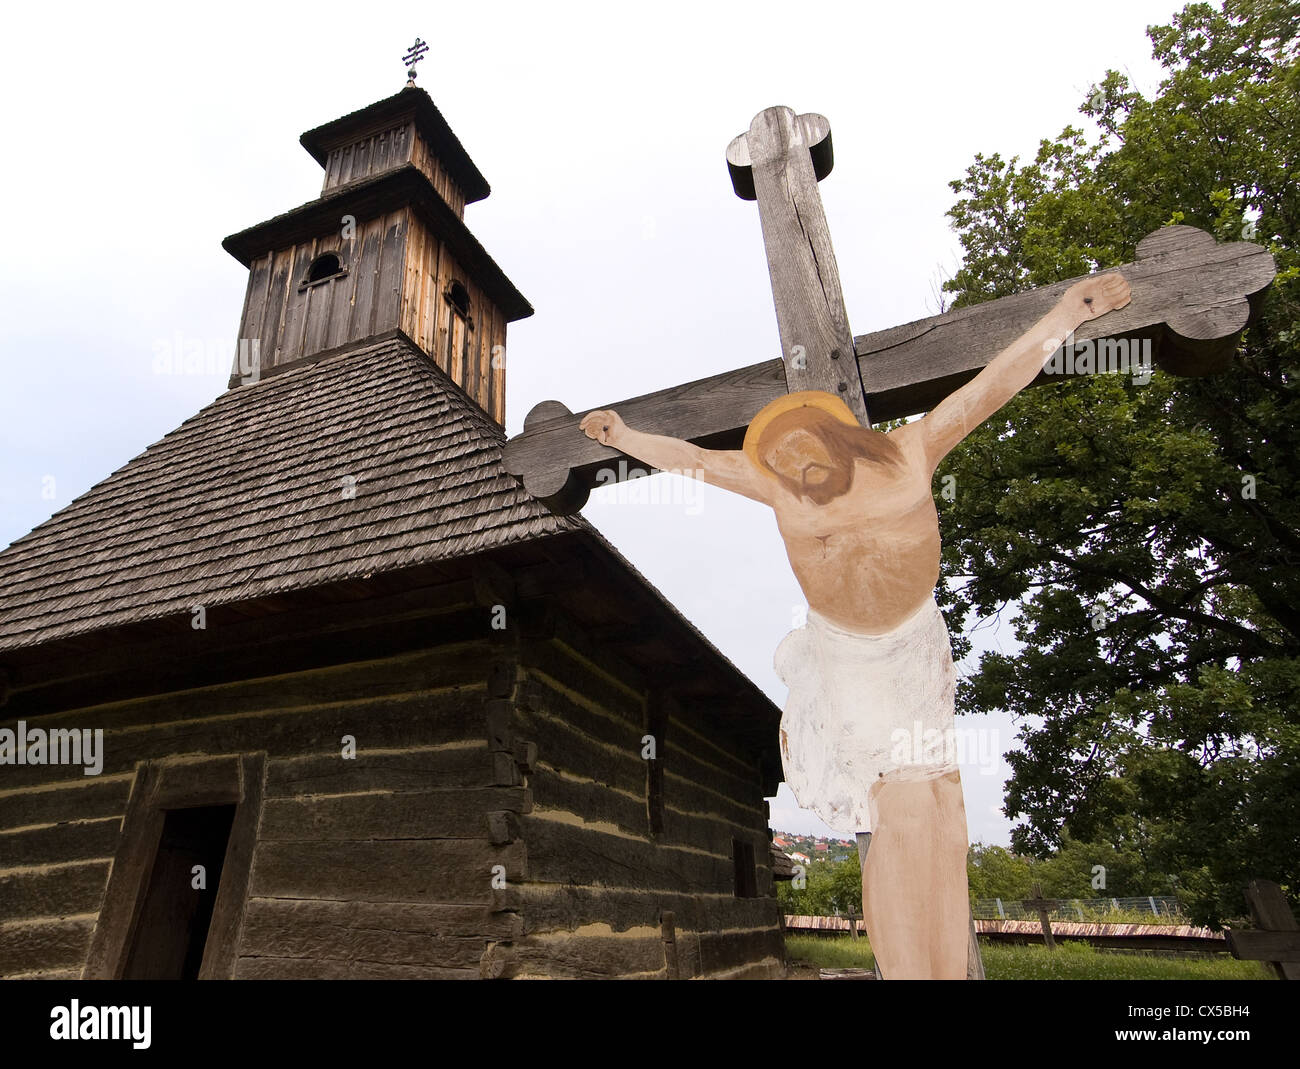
(180, 783)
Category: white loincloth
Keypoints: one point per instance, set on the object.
(863, 708)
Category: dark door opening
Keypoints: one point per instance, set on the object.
(172, 930)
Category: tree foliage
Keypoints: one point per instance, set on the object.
(1168, 512)
(830, 887)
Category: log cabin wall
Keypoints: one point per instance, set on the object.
(397, 275)
(375, 867)
(601, 883)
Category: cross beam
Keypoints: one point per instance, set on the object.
(1191, 298)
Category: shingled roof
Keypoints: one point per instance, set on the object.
(246, 499)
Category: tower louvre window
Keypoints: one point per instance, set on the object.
(458, 297)
(326, 266)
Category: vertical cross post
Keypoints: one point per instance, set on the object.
(1040, 905)
(779, 162)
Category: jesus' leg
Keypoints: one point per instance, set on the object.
(914, 895)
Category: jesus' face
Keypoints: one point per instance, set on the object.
(797, 449)
(813, 454)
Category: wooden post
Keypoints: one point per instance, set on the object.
(1277, 938)
(1042, 906)
(779, 162)
(974, 962)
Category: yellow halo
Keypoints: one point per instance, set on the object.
(827, 402)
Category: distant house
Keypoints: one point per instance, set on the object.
(819, 848)
(803, 859)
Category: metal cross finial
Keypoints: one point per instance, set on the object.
(413, 56)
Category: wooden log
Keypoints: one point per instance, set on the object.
(437, 671)
(567, 748)
(684, 762)
(236, 650)
(410, 721)
(449, 765)
(327, 969)
(380, 932)
(581, 956)
(723, 951)
(53, 890)
(47, 844)
(440, 814)
(44, 945)
(65, 795)
(596, 801)
(432, 870)
(569, 658)
(571, 852)
(271, 922)
(565, 907)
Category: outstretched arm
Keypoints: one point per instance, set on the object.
(727, 468)
(1014, 368)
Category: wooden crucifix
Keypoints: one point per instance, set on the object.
(871, 676)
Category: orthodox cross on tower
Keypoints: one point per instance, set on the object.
(413, 56)
(1191, 297)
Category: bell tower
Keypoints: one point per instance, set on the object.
(383, 249)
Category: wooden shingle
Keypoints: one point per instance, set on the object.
(248, 498)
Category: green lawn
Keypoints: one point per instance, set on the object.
(1070, 961)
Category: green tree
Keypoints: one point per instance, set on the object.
(995, 872)
(830, 887)
(1171, 734)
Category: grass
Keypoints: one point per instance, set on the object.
(1070, 961)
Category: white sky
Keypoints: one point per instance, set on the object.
(138, 136)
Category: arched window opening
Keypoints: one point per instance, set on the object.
(326, 266)
(458, 298)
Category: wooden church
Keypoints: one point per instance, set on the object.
(312, 688)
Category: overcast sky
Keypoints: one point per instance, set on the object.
(138, 136)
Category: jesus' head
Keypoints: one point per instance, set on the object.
(811, 447)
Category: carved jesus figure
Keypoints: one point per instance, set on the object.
(871, 676)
